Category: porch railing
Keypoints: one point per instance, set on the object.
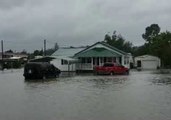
(84, 66)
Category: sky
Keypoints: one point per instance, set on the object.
(24, 24)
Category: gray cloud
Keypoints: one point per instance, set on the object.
(25, 23)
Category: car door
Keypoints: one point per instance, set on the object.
(120, 69)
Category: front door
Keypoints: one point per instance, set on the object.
(96, 61)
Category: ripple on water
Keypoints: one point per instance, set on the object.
(165, 80)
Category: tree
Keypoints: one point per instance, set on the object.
(9, 51)
(161, 47)
(24, 52)
(107, 39)
(50, 51)
(56, 46)
(119, 42)
(140, 50)
(38, 53)
(151, 32)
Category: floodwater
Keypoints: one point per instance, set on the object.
(138, 96)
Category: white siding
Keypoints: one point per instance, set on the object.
(57, 63)
(148, 62)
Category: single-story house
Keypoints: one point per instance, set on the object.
(84, 59)
(146, 62)
(65, 60)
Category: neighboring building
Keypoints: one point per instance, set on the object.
(146, 62)
(12, 60)
(81, 59)
(65, 60)
(7, 55)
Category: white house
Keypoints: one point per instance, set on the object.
(84, 59)
(64, 58)
(147, 62)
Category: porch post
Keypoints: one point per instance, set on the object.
(117, 60)
(92, 63)
(122, 60)
(68, 67)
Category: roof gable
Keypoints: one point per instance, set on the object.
(98, 52)
(100, 45)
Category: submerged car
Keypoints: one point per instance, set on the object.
(40, 70)
(111, 68)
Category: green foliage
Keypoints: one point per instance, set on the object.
(151, 32)
(140, 50)
(9, 51)
(161, 47)
(119, 42)
(56, 46)
(12, 64)
(108, 39)
(40, 52)
(158, 44)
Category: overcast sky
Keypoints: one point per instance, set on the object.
(24, 24)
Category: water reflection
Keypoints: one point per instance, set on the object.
(105, 82)
(41, 80)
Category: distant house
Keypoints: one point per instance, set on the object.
(12, 60)
(84, 59)
(147, 62)
(7, 55)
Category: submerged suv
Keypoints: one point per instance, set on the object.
(111, 68)
(40, 70)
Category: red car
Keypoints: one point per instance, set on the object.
(111, 68)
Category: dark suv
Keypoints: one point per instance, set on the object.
(40, 70)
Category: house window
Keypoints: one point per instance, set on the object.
(83, 60)
(86, 60)
(120, 60)
(89, 60)
(114, 59)
(125, 60)
(64, 62)
(105, 60)
(109, 59)
(101, 60)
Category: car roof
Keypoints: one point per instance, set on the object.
(36, 64)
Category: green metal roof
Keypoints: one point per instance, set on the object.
(68, 52)
(114, 48)
(107, 53)
(98, 52)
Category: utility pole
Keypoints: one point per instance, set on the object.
(45, 47)
(2, 48)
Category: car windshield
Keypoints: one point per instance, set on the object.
(108, 65)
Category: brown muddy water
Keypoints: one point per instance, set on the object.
(138, 96)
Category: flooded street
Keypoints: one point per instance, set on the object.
(138, 96)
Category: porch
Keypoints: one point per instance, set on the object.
(87, 63)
